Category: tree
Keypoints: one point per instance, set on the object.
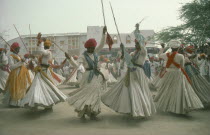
(170, 33)
(196, 27)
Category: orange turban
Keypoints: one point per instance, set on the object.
(47, 43)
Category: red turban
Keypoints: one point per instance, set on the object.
(75, 57)
(151, 58)
(106, 60)
(14, 46)
(90, 43)
(26, 55)
(190, 49)
(136, 41)
(118, 59)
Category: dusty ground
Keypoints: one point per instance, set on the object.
(63, 121)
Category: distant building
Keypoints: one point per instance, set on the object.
(128, 41)
(73, 43)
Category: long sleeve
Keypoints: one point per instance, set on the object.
(4, 60)
(14, 65)
(187, 60)
(41, 50)
(101, 45)
(161, 54)
(143, 50)
(74, 63)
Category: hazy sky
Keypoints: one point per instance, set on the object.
(65, 16)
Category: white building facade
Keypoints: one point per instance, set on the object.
(73, 43)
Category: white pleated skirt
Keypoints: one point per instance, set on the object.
(3, 79)
(134, 99)
(42, 93)
(176, 95)
(88, 95)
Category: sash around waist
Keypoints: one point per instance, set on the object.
(137, 65)
(45, 66)
(188, 63)
(88, 69)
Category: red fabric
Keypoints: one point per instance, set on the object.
(189, 49)
(151, 58)
(57, 66)
(171, 61)
(55, 76)
(109, 41)
(90, 43)
(72, 73)
(106, 59)
(1, 49)
(14, 46)
(75, 57)
(162, 72)
(31, 65)
(26, 55)
(136, 41)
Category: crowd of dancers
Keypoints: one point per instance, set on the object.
(124, 83)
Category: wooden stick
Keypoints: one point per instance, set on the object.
(6, 42)
(10, 46)
(30, 37)
(21, 39)
(115, 22)
(58, 46)
(142, 20)
(103, 12)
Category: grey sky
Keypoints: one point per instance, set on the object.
(64, 16)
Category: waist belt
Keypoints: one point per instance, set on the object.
(45, 66)
(88, 69)
(137, 65)
(96, 70)
(186, 64)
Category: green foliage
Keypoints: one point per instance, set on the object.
(196, 27)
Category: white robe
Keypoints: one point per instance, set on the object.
(13, 64)
(3, 74)
(202, 67)
(135, 98)
(43, 91)
(73, 80)
(111, 79)
(87, 99)
(175, 94)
